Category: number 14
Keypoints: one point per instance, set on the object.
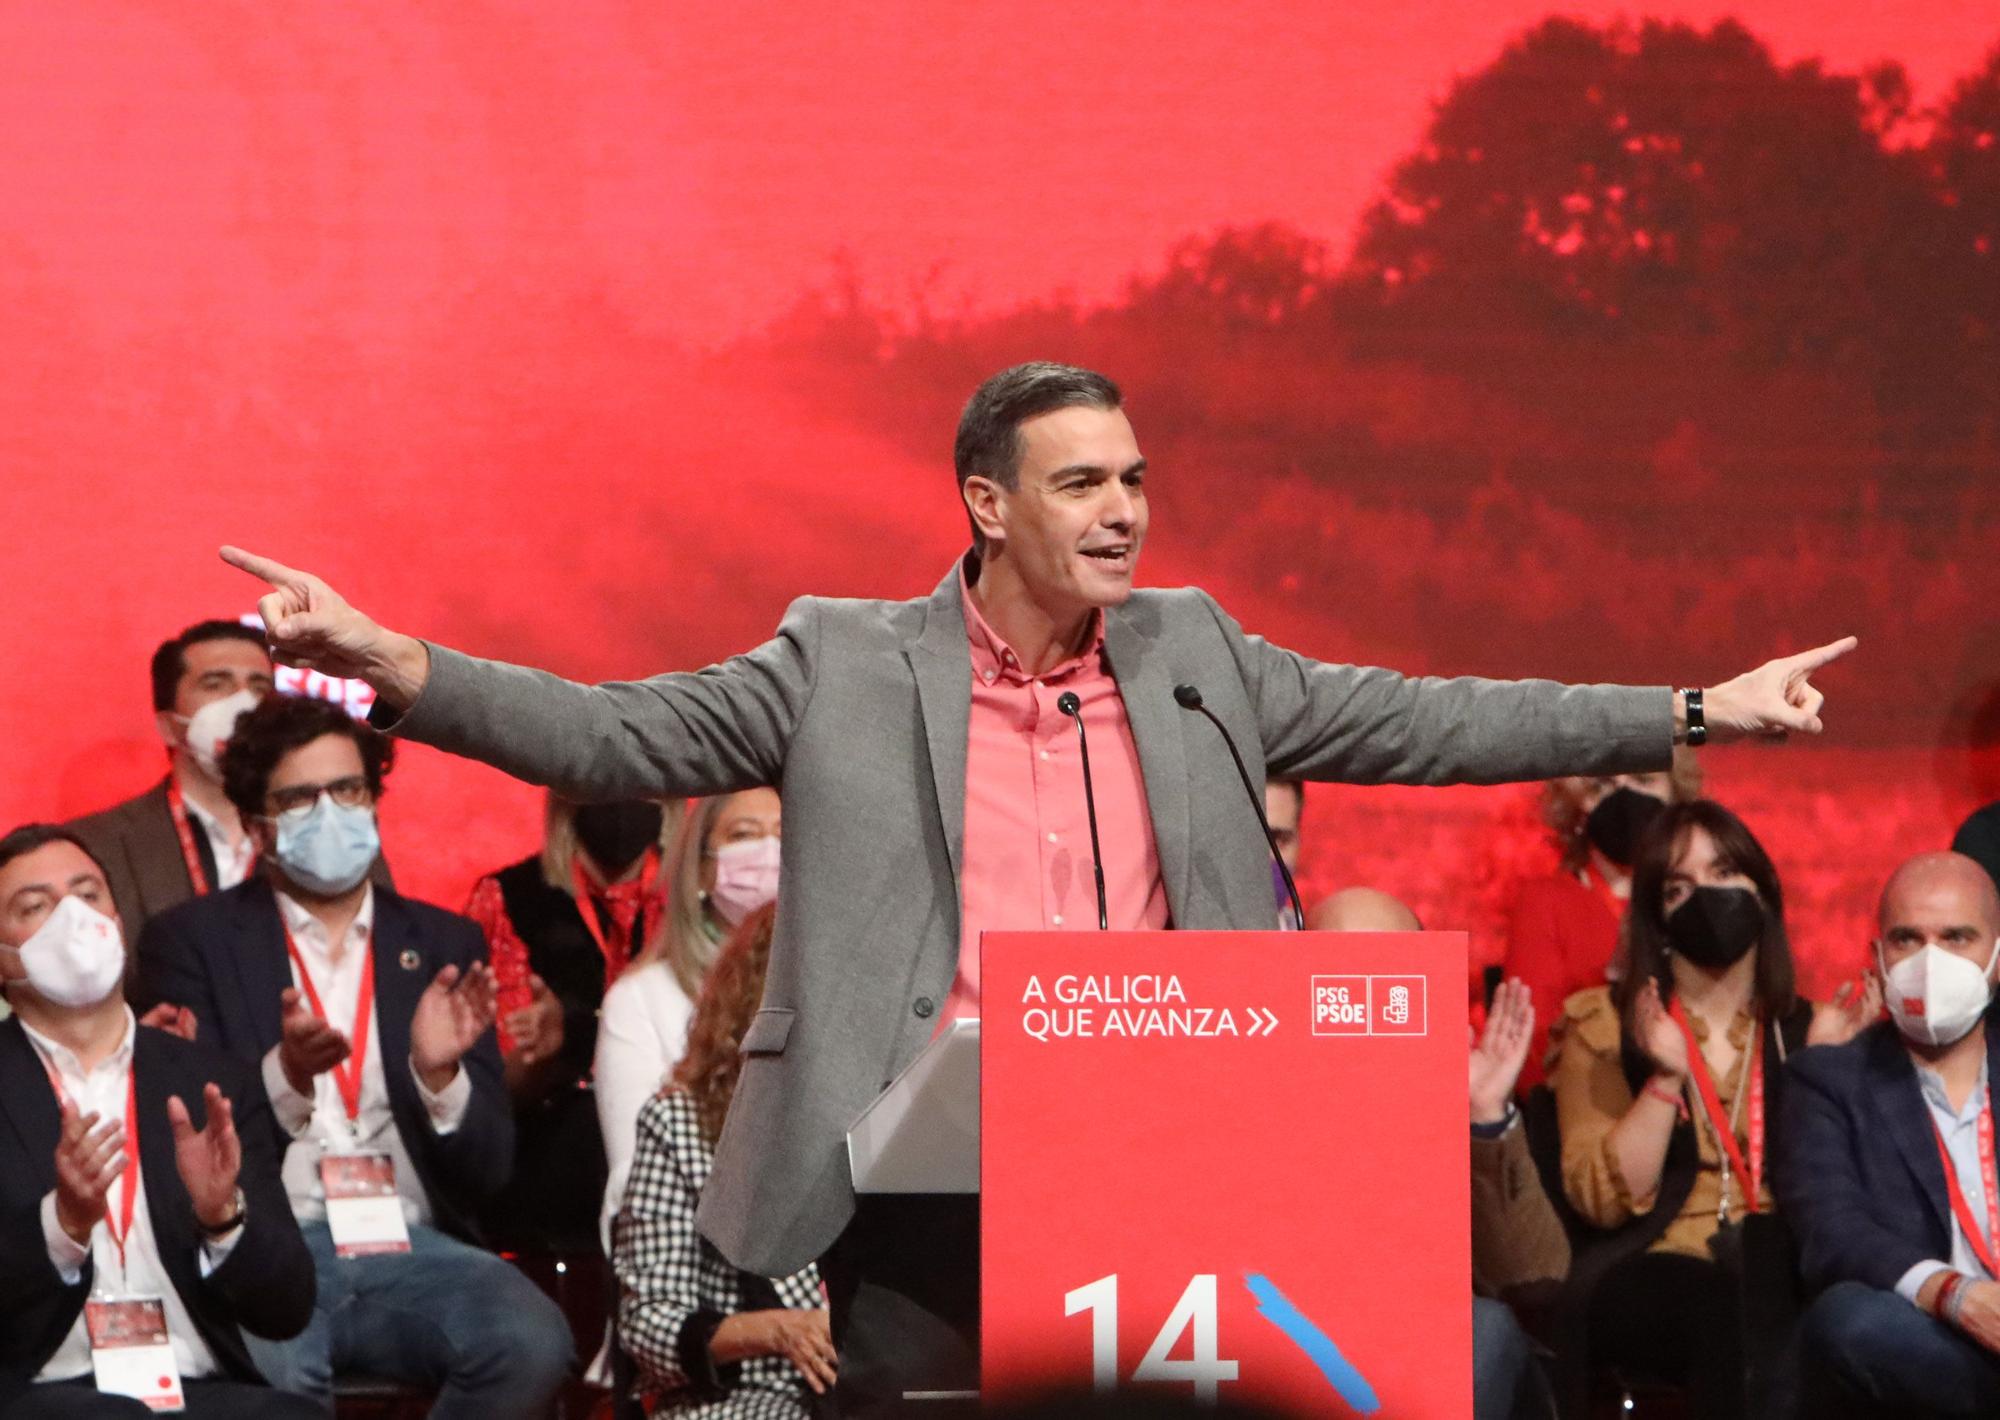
(1196, 1311)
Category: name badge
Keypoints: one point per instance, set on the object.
(362, 1207)
(130, 1353)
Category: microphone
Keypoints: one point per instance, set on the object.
(1190, 699)
(1072, 707)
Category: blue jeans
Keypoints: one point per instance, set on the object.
(1867, 1345)
(443, 1315)
(1501, 1358)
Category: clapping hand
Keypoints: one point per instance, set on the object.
(1501, 1051)
(309, 1046)
(454, 1011)
(174, 1020)
(1774, 700)
(1850, 1012)
(1659, 1034)
(537, 1028)
(210, 1158)
(90, 1154)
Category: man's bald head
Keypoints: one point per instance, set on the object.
(1944, 899)
(1949, 881)
(1361, 909)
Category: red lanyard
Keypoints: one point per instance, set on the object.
(347, 1075)
(586, 908)
(122, 1229)
(1982, 1242)
(1752, 1178)
(177, 806)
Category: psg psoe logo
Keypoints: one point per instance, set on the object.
(1368, 1005)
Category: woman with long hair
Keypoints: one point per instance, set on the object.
(1666, 1083)
(708, 1339)
(1562, 928)
(721, 866)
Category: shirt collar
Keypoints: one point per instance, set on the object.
(307, 930)
(993, 658)
(64, 1059)
(1932, 1084)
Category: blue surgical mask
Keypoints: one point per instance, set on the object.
(327, 848)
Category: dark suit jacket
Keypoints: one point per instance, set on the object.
(223, 956)
(1860, 1177)
(141, 853)
(266, 1283)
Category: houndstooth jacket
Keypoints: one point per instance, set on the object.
(674, 1288)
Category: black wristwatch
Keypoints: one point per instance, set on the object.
(1697, 727)
(238, 1213)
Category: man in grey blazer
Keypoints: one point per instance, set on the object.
(860, 711)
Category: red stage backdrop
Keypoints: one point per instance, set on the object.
(1461, 339)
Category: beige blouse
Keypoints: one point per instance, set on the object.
(1592, 1096)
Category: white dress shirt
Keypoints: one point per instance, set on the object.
(104, 1090)
(232, 860)
(1960, 1128)
(641, 1035)
(319, 1124)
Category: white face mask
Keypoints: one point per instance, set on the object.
(746, 877)
(326, 847)
(76, 957)
(1936, 996)
(209, 728)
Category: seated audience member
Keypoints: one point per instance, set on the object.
(561, 925)
(723, 865)
(708, 1339)
(1562, 930)
(1887, 1173)
(182, 837)
(1285, 812)
(371, 1019)
(136, 1165)
(1362, 909)
(1517, 1239)
(1663, 1082)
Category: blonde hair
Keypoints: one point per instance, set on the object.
(687, 937)
(559, 838)
(1562, 804)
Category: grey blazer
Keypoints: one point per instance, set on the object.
(858, 712)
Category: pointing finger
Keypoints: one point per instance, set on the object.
(276, 573)
(1823, 655)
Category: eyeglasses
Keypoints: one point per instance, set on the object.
(350, 793)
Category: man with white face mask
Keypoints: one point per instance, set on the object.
(182, 837)
(114, 1199)
(1887, 1170)
(370, 1017)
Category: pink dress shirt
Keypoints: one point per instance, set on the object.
(1026, 864)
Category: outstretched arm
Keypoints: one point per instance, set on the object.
(707, 732)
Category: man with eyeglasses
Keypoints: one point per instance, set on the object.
(371, 1018)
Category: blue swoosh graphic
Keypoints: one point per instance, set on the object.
(1275, 1307)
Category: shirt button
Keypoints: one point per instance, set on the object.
(924, 1007)
(989, 677)
(1045, 754)
(1056, 921)
(1052, 838)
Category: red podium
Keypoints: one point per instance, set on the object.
(1228, 1164)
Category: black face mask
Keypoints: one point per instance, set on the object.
(614, 835)
(1715, 926)
(1615, 825)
